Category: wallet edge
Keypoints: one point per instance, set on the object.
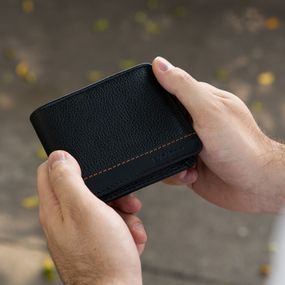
(86, 88)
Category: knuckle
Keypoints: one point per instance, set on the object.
(213, 110)
(133, 220)
(182, 76)
(129, 219)
(138, 221)
(77, 214)
(233, 103)
(181, 80)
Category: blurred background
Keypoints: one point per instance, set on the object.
(50, 48)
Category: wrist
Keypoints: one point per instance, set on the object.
(273, 182)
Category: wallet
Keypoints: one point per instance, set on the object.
(125, 131)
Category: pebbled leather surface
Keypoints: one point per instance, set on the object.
(126, 132)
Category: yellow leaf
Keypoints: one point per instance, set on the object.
(41, 153)
(48, 269)
(152, 27)
(94, 75)
(266, 78)
(48, 263)
(28, 6)
(22, 69)
(30, 77)
(101, 25)
(264, 270)
(272, 23)
(127, 63)
(30, 202)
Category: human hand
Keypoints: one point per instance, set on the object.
(239, 168)
(89, 241)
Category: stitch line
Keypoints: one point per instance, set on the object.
(135, 185)
(137, 156)
(123, 181)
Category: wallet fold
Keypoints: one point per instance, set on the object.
(125, 131)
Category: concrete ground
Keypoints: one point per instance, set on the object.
(49, 48)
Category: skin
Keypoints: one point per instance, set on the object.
(239, 168)
(89, 241)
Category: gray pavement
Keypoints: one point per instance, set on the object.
(221, 42)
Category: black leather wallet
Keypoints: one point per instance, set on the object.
(125, 131)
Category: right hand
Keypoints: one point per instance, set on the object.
(89, 241)
(235, 169)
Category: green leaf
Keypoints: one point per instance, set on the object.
(101, 25)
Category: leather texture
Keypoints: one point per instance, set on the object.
(125, 131)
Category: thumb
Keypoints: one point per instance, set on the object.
(66, 181)
(191, 93)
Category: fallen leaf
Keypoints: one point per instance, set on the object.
(272, 23)
(30, 202)
(221, 74)
(266, 78)
(101, 25)
(41, 153)
(94, 75)
(264, 270)
(28, 6)
(152, 27)
(127, 63)
(48, 269)
(30, 77)
(22, 69)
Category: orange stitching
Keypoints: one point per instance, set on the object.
(138, 156)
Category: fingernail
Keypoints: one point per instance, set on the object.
(163, 64)
(138, 227)
(55, 157)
